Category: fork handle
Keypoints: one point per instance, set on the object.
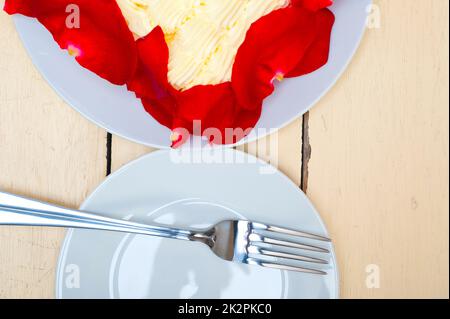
(20, 211)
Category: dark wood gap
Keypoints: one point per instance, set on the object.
(108, 153)
(306, 153)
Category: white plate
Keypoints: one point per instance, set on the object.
(160, 188)
(118, 111)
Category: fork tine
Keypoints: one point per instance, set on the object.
(285, 243)
(267, 252)
(259, 262)
(292, 232)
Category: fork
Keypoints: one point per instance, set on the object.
(240, 241)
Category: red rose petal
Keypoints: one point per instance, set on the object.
(313, 5)
(273, 47)
(317, 54)
(153, 58)
(102, 43)
(216, 109)
(150, 79)
(212, 104)
(160, 110)
(25, 7)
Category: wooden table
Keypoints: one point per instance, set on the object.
(372, 156)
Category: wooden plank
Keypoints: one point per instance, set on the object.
(124, 151)
(282, 149)
(47, 151)
(379, 166)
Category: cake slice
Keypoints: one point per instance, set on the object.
(203, 36)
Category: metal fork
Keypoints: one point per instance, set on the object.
(240, 241)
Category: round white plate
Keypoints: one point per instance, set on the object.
(162, 188)
(118, 111)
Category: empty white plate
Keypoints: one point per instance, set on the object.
(167, 188)
(118, 111)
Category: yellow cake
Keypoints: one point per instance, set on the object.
(203, 35)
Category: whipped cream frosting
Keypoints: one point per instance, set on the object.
(203, 35)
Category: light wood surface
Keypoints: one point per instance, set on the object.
(379, 165)
(47, 151)
(378, 171)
